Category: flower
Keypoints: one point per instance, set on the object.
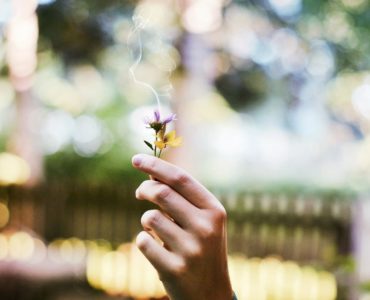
(156, 122)
(162, 139)
(168, 139)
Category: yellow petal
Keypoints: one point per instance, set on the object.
(176, 142)
(160, 134)
(170, 136)
(161, 145)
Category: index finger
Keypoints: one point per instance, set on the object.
(177, 178)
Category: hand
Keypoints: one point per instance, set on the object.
(192, 260)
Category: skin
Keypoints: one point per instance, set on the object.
(185, 240)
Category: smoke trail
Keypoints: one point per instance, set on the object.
(140, 24)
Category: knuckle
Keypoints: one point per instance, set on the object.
(163, 191)
(213, 225)
(179, 268)
(150, 218)
(194, 252)
(181, 178)
(220, 214)
(207, 230)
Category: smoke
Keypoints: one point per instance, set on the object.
(135, 44)
(141, 37)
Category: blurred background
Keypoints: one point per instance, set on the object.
(273, 102)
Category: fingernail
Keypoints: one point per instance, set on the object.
(136, 160)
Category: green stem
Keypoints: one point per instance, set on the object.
(155, 147)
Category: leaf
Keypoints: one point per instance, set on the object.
(149, 145)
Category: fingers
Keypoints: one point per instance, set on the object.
(158, 256)
(169, 232)
(177, 179)
(169, 200)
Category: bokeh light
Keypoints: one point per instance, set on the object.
(286, 8)
(4, 215)
(125, 271)
(13, 169)
(21, 246)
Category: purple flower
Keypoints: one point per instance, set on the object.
(157, 115)
(169, 119)
(156, 123)
(162, 138)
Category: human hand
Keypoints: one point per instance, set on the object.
(192, 260)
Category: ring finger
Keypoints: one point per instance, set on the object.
(169, 232)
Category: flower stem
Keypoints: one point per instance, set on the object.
(155, 146)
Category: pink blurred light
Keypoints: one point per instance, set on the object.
(22, 9)
(22, 36)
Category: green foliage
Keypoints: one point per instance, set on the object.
(76, 30)
(113, 166)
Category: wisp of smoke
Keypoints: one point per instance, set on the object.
(139, 24)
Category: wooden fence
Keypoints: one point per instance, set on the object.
(305, 228)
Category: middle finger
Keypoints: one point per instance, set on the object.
(177, 207)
